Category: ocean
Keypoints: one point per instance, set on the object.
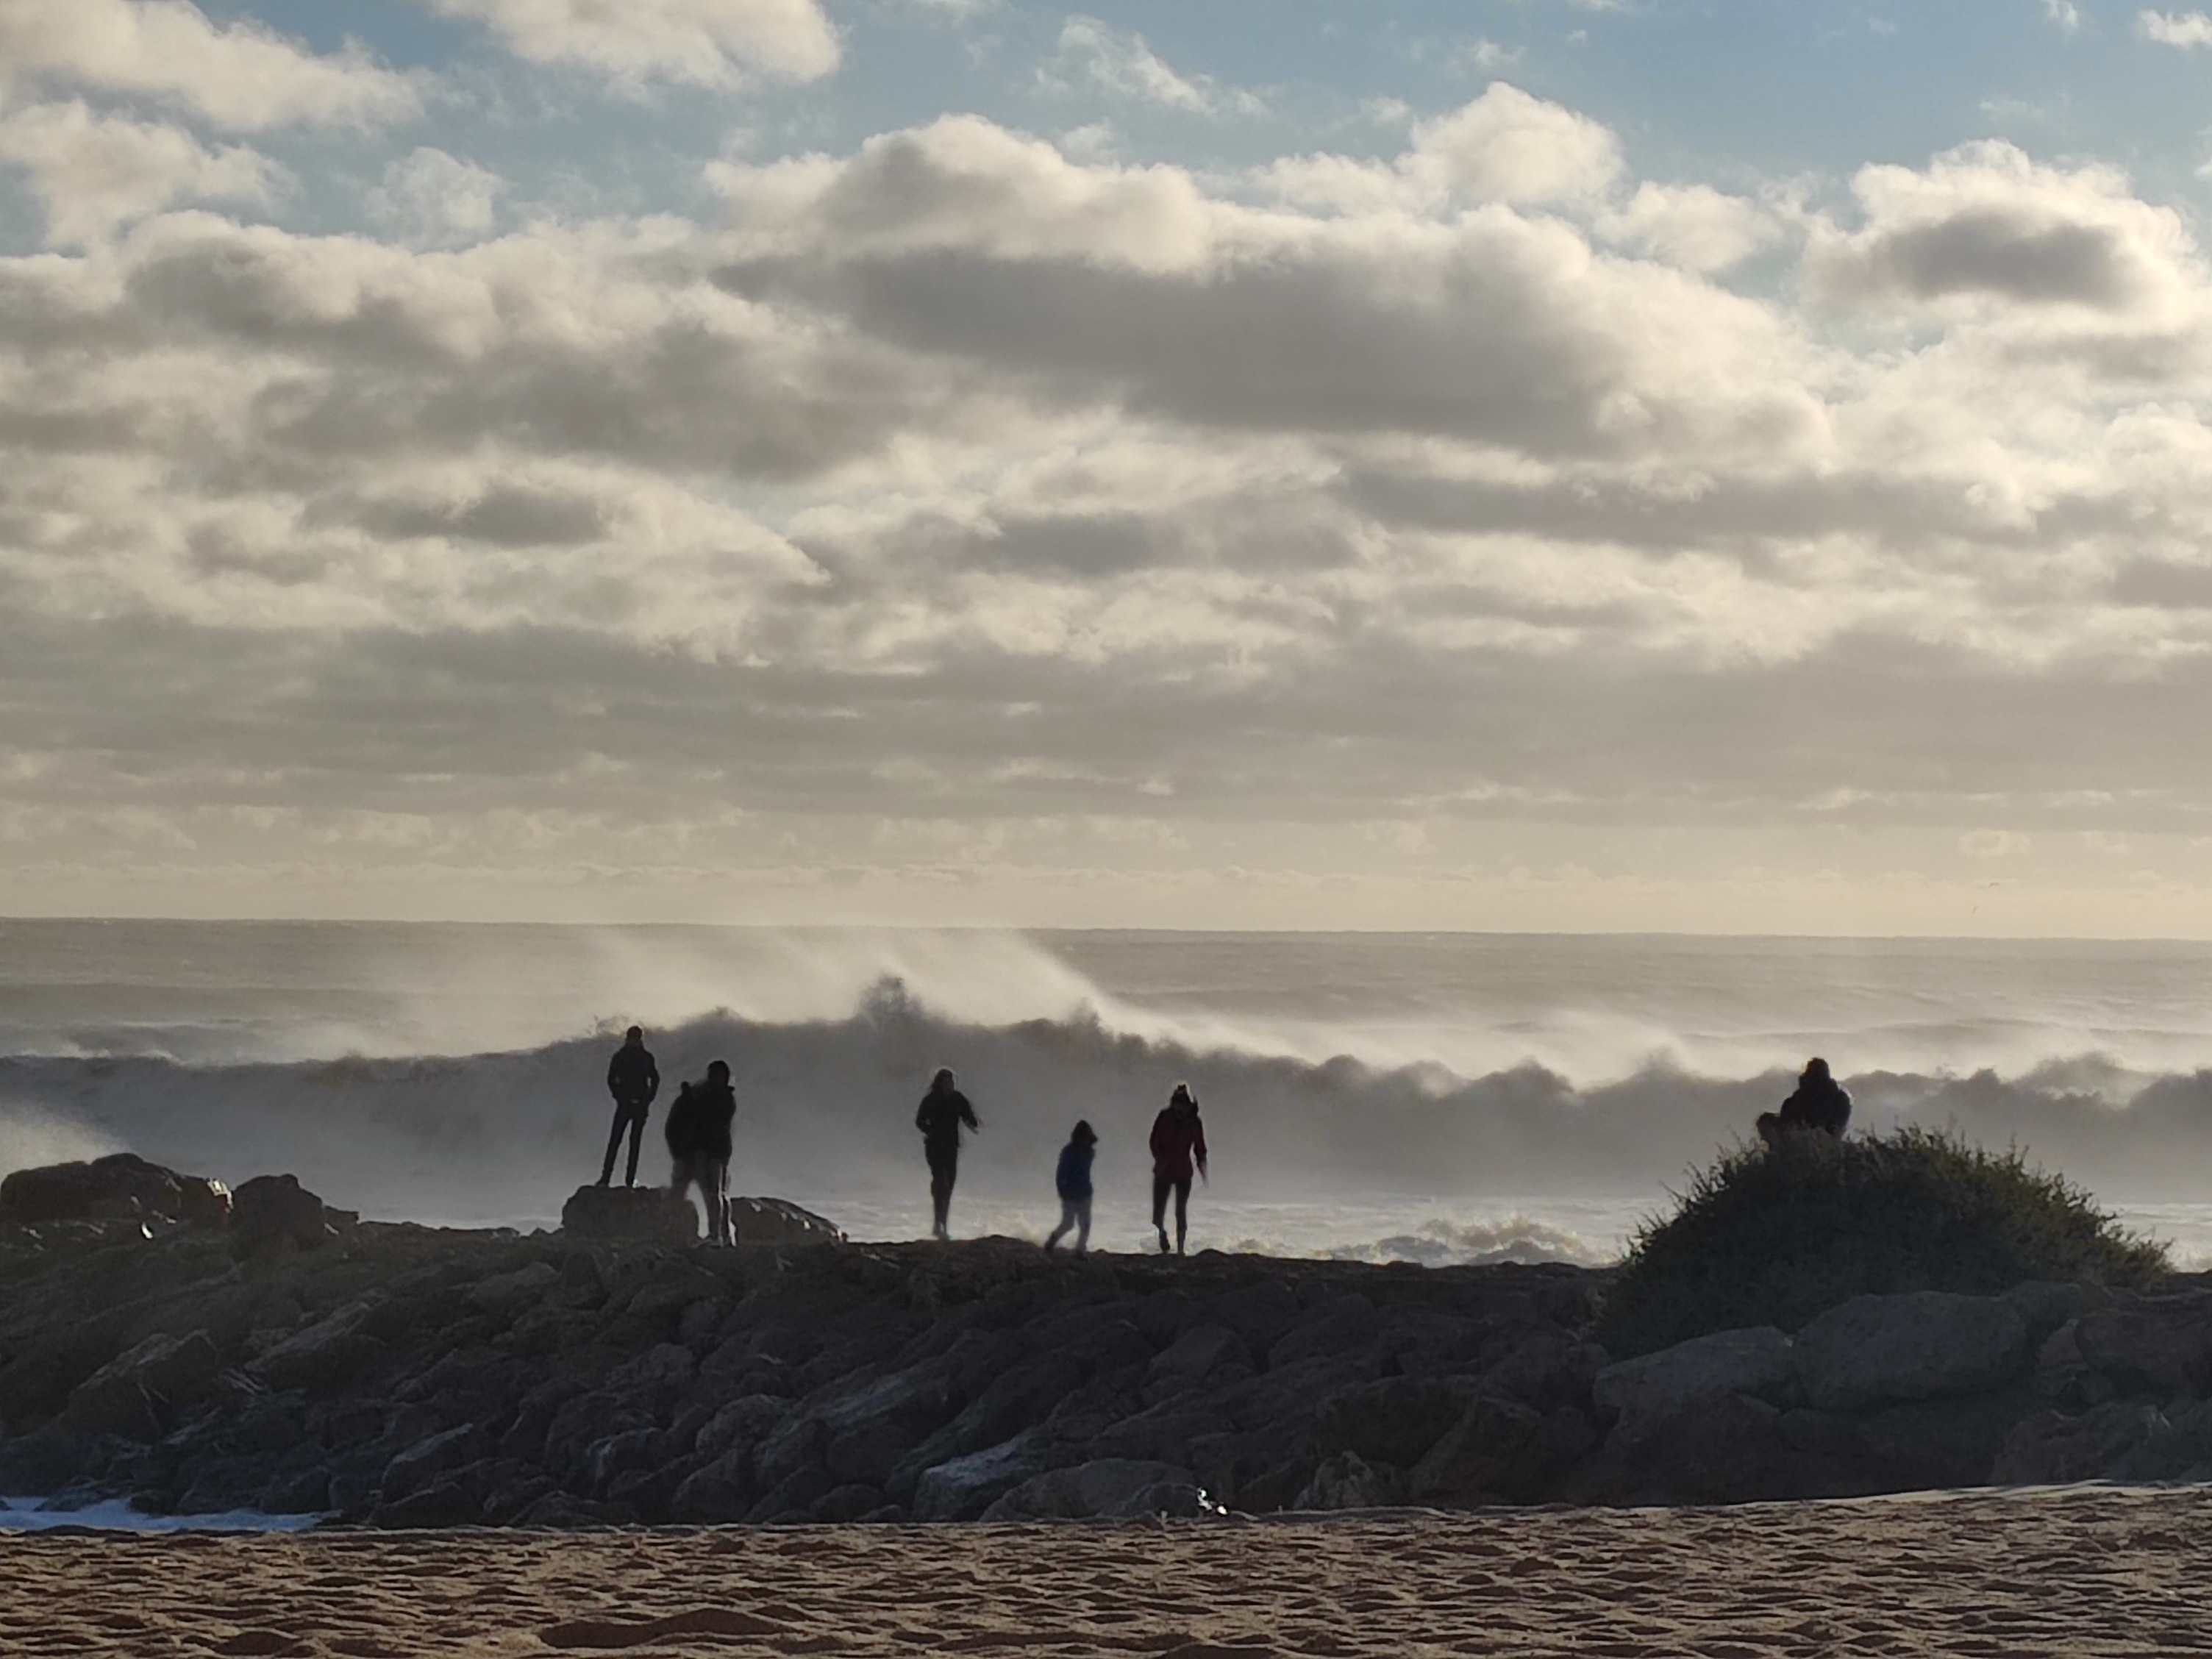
(1432, 1098)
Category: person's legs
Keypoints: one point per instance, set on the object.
(1083, 1219)
(1066, 1221)
(636, 1136)
(1160, 1187)
(717, 1195)
(1183, 1211)
(944, 1170)
(614, 1146)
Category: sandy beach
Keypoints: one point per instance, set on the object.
(2078, 1571)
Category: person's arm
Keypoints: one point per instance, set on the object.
(652, 1080)
(1156, 1144)
(614, 1074)
(1198, 1149)
(921, 1115)
(968, 1115)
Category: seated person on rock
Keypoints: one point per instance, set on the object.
(1820, 1105)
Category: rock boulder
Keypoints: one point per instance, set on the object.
(1922, 1345)
(117, 1187)
(643, 1215)
(269, 1211)
(1759, 1361)
(1105, 1489)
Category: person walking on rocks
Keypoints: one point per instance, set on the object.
(940, 1117)
(633, 1079)
(1073, 1178)
(1178, 1146)
(698, 1132)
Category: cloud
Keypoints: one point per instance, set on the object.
(2064, 13)
(436, 200)
(1507, 146)
(93, 173)
(2186, 29)
(1985, 224)
(703, 43)
(1122, 66)
(241, 76)
(1109, 519)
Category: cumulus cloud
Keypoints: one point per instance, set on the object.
(2186, 29)
(1095, 513)
(1123, 66)
(241, 76)
(705, 43)
(433, 199)
(93, 173)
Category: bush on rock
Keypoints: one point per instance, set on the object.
(1776, 1237)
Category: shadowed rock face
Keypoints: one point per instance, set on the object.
(115, 1188)
(408, 1375)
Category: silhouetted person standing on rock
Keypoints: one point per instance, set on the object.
(1073, 1178)
(1821, 1104)
(1178, 1146)
(698, 1133)
(633, 1079)
(943, 1112)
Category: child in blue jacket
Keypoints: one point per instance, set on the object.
(1073, 1180)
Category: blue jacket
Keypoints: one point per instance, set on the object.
(1073, 1176)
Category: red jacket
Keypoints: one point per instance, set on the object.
(1176, 1141)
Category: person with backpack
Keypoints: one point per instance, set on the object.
(1178, 1147)
(943, 1112)
(698, 1132)
(1820, 1105)
(633, 1079)
(1072, 1179)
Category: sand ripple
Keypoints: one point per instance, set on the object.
(2078, 1571)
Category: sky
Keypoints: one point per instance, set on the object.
(1708, 465)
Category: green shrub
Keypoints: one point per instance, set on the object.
(1774, 1238)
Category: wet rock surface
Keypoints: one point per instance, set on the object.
(410, 1376)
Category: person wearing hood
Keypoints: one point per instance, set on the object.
(1178, 1147)
(943, 1113)
(699, 1147)
(633, 1079)
(1072, 1179)
(1820, 1105)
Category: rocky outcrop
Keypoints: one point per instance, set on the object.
(645, 1215)
(275, 1213)
(409, 1375)
(120, 1187)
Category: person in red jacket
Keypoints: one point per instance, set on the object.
(1178, 1146)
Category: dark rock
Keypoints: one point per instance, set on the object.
(649, 1215)
(35, 1464)
(271, 1212)
(2163, 1350)
(1725, 1449)
(1501, 1448)
(843, 1504)
(1334, 1326)
(961, 1488)
(1758, 1361)
(771, 1221)
(1394, 1420)
(1921, 1344)
(329, 1354)
(422, 1463)
(795, 1494)
(448, 1504)
(1106, 1489)
(1200, 1354)
(137, 1393)
(306, 1491)
(740, 1424)
(1941, 1443)
(1259, 1312)
(121, 1186)
(1345, 1481)
(2050, 1447)
(717, 1490)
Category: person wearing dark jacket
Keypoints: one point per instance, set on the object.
(1178, 1146)
(633, 1079)
(942, 1114)
(1820, 1105)
(698, 1131)
(1073, 1178)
